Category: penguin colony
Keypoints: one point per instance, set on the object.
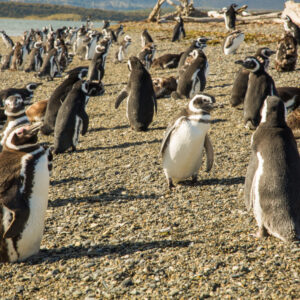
(25, 164)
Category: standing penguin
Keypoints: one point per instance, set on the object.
(119, 31)
(50, 67)
(260, 85)
(230, 16)
(178, 30)
(35, 58)
(272, 181)
(96, 67)
(72, 118)
(240, 83)
(146, 38)
(185, 138)
(141, 100)
(57, 97)
(7, 40)
(24, 185)
(193, 79)
(147, 54)
(122, 51)
(290, 26)
(232, 41)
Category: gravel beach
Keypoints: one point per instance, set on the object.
(113, 230)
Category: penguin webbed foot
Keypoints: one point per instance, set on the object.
(261, 233)
(170, 183)
(194, 179)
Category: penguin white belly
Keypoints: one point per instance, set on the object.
(236, 43)
(183, 155)
(92, 48)
(77, 130)
(31, 236)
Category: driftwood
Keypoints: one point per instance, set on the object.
(292, 9)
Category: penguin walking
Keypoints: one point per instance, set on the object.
(193, 79)
(146, 38)
(57, 98)
(232, 41)
(167, 61)
(178, 30)
(122, 51)
(272, 181)
(24, 185)
(229, 15)
(35, 58)
(290, 26)
(240, 83)
(141, 101)
(72, 118)
(184, 140)
(260, 85)
(146, 56)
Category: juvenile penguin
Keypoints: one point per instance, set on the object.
(141, 101)
(24, 185)
(167, 61)
(147, 54)
(163, 87)
(193, 79)
(58, 96)
(35, 60)
(240, 83)
(36, 111)
(178, 30)
(232, 41)
(146, 38)
(260, 85)
(290, 26)
(97, 65)
(184, 140)
(272, 181)
(7, 40)
(230, 16)
(122, 51)
(50, 67)
(72, 118)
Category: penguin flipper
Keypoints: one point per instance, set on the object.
(183, 32)
(209, 153)
(121, 97)
(85, 121)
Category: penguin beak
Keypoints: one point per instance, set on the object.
(239, 62)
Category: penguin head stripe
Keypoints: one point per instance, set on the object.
(202, 101)
(266, 52)
(84, 87)
(252, 64)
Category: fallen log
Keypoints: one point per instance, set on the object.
(292, 9)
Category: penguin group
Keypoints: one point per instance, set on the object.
(26, 163)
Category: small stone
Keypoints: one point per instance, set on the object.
(127, 282)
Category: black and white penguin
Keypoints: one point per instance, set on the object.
(58, 97)
(200, 43)
(286, 54)
(119, 31)
(290, 26)
(50, 67)
(106, 24)
(272, 181)
(97, 65)
(290, 97)
(35, 59)
(146, 56)
(232, 41)
(167, 61)
(146, 38)
(163, 87)
(185, 138)
(24, 185)
(26, 93)
(193, 79)
(230, 16)
(7, 40)
(260, 86)
(122, 51)
(141, 101)
(178, 30)
(72, 118)
(240, 83)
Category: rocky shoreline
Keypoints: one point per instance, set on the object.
(113, 230)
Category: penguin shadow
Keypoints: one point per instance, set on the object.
(115, 84)
(70, 179)
(214, 121)
(219, 86)
(101, 250)
(103, 199)
(107, 128)
(119, 146)
(215, 181)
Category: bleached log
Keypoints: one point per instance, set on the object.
(292, 9)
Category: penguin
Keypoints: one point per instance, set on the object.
(16, 60)
(178, 30)
(193, 79)
(293, 122)
(119, 31)
(122, 51)
(26, 92)
(147, 54)
(50, 67)
(36, 111)
(57, 98)
(72, 118)
(240, 83)
(290, 26)
(35, 58)
(232, 41)
(106, 24)
(167, 61)
(14, 110)
(7, 40)
(272, 181)
(260, 85)
(184, 140)
(286, 54)
(163, 87)
(141, 101)
(290, 97)
(24, 185)
(96, 68)
(200, 43)
(6, 60)
(146, 38)
(229, 15)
